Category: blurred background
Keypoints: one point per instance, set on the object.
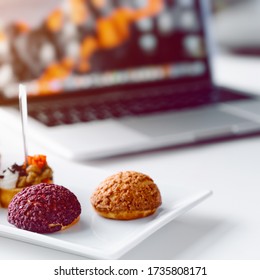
(235, 29)
(236, 23)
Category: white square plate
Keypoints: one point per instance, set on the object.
(96, 237)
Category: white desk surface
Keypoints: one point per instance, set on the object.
(226, 226)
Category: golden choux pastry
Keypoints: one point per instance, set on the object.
(126, 195)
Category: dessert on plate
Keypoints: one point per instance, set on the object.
(44, 208)
(17, 177)
(126, 195)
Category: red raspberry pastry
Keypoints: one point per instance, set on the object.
(44, 208)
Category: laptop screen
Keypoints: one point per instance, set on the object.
(99, 46)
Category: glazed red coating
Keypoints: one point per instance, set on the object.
(43, 208)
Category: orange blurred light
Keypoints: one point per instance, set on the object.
(2, 36)
(78, 11)
(99, 4)
(22, 27)
(55, 20)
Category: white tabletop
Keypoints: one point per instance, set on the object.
(226, 226)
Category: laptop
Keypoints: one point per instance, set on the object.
(106, 78)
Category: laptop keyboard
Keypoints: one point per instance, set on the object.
(70, 112)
